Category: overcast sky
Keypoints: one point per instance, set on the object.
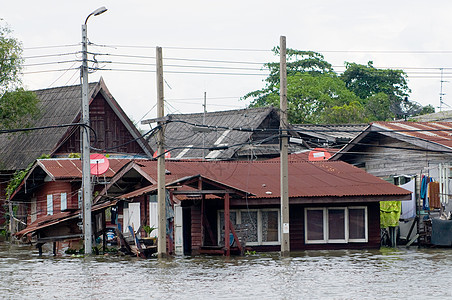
(232, 37)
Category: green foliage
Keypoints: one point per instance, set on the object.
(18, 176)
(74, 155)
(377, 107)
(17, 106)
(148, 229)
(347, 113)
(316, 94)
(366, 80)
(10, 60)
(428, 109)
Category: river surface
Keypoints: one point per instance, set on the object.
(379, 274)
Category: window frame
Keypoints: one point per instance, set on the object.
(259, 224)
(326, 239)
(63, 200)
(366, 222)
(49, 209)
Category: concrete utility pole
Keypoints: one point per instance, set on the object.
(284, 155)
(85, 139)
(161, 193)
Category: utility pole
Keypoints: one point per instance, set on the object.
(85, 139)
(161, 193)
(204, 123)
(86, 183)
(284, 154)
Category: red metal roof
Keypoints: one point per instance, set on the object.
(436, 132)
(71, 168)
(261, 178)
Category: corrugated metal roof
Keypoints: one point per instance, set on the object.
(182, 135)
(306, 179)
(330, 132)
(436, 132)
(71, 167)
(57, 106)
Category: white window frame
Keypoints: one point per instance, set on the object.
(326, 239)
(336, 241)
(366, 221)
(259, 225)
(50, 204)
(63, 199)
(33, 209)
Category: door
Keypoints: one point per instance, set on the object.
(178, 231)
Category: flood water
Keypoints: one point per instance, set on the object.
(378, 274)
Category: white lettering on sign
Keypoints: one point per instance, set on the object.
(319, 154)
(97, 161)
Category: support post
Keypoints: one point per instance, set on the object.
(84, 133)
(285, 243)
(227, 222)
(161, 194)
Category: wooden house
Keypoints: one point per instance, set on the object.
(387, 149)
(115, 134)
(403, 151)
(221, 207)
(49, 200)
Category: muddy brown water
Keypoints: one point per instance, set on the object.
(380, 274)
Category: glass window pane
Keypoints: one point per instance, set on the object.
(314, 222)
(269, 226)
(249, 221)
(232, 217)
(336, 224)
(357, 223)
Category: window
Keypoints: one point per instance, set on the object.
(50, 204)
(63, 201)
(335, 225)
(262, 225)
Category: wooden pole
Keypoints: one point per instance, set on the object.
(284, 155)
(227, 222)
(161, 195)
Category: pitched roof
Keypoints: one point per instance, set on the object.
(185, 140)
(431, 135)
(60, 105)
(443, 116)
(261, 178)
(339, 134)
(69, 169)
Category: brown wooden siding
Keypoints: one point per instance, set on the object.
(196, 239)
(297, 237)
(109, 129)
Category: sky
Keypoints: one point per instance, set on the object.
(217, 49)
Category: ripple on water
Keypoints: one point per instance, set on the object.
(353, 274)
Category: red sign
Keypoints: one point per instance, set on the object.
(167, 155)
(319, 154)
(99, 164)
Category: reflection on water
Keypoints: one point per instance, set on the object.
(349, 274)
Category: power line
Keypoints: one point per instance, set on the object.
(50, 47)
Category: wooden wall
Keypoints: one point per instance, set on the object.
(110, 131)
(383, 161)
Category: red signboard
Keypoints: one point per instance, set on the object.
(319, 154)
(99, 164)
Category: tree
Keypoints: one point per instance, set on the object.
(366, 80)
(312, 86)
(17, 106)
